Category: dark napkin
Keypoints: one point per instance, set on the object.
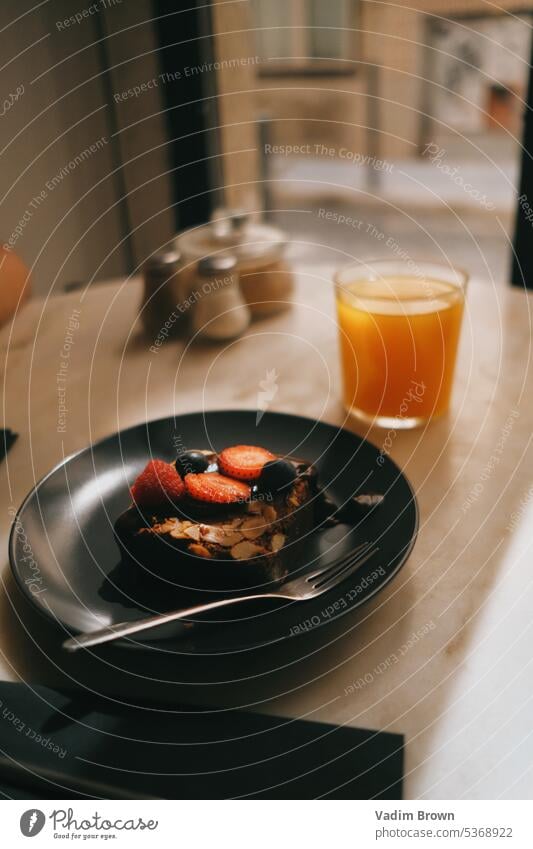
(7, 438)
(59, 745)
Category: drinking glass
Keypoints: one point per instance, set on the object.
(399, 325)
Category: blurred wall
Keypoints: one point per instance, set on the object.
(65, 208)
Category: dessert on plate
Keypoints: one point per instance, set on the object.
(219, 520)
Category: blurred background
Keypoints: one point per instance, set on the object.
(364, 129)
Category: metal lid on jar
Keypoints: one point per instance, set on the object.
(163, 261)
(238, 231)
(221, 263)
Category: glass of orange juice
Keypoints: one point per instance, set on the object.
(399, 326)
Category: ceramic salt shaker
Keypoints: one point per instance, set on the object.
(220, 311)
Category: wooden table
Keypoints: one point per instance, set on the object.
(444, 654)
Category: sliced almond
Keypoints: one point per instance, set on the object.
(231, 527)
(244, 550)
(253, 534)
(234, 523)
(253, 522)
(231, 538)
(253, 507)
(253, 528)
(219, 535)
(199, 550)
(193, 532)
(269, 513)
(277, 542)
(178, 528)
(166, 527)
(210, 533)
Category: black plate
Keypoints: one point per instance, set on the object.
(65, 559)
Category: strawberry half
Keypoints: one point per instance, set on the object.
(244, 462)
(215, 488)
(158, 483)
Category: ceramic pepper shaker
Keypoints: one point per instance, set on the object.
(161, 294)
(220, 311)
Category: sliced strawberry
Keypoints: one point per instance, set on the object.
(215, 488)
(244, 462)
(158, 483)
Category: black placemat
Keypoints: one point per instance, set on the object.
(53, 744)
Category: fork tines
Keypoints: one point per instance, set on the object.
(349, 565)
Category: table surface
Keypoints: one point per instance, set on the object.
(443, 655)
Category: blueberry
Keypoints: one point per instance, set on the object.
(277, 476)
(192, 462)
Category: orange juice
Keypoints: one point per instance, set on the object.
(398, 342)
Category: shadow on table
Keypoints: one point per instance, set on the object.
(32, 646)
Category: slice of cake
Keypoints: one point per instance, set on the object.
(219, 522)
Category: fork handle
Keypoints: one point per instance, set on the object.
(124, 629)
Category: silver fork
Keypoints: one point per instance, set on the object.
(303, 588)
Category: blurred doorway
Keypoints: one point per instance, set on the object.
(406, 121)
